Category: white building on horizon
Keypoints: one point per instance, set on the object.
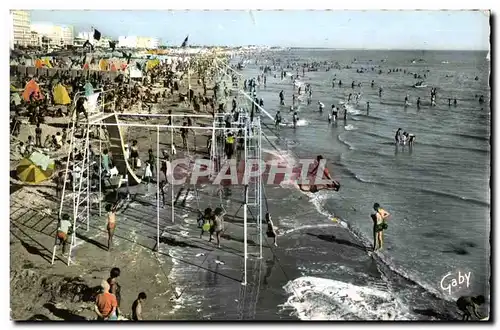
(58, 35)
(20, 23)
(84, 36)
(138, 42)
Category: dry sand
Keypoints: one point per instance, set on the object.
(41, 291)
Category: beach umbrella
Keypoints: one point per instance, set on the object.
(61, 95)
(27, 171)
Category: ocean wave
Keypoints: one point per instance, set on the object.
(342, 139)
(476, 137)
(314, 298)
(363, 115)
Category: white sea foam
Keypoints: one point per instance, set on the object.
(349, 127)
(314, 298)
(300, 122)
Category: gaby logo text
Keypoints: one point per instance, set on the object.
(455, 281)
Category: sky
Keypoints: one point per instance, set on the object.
(447, 30)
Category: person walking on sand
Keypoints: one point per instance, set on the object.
(379, 218)
(106, 304)
(218, 224)
(137, 307)
(205, 222)
(134, 154)
(271, 230)
(64, 229)
(115, 288)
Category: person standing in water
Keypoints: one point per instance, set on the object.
(282, 98)
(334, 113)
(379, 218)
(418, 102)
(367, 107)
(295, 119)
(397, 137)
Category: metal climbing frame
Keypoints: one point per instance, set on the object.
(77, 203)
(81, 211)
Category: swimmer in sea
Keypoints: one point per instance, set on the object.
(468, 306)
(379, 226)
(418, 103)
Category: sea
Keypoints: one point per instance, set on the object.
(438, 191)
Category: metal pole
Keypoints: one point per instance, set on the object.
(157, 188)
(260, 188)
(245, 216)
(172, 172)
(88, 180)
(100, 171)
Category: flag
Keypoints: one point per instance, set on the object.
(112, 45)
(184, 43)
(97, 35)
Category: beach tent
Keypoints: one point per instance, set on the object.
(47, 64)
(124, 66)
(86, 66)
(113, 67)
(89, 89)
(152, 64)
(103, 65)
(61, 95)
(30, 172)
(14, 97)
(39, 63)
(32, 87)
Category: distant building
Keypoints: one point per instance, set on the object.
(138, 42)
(21, 21)
(54, 35)
(35, 39)
(103, 41)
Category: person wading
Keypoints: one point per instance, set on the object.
(380, 217)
